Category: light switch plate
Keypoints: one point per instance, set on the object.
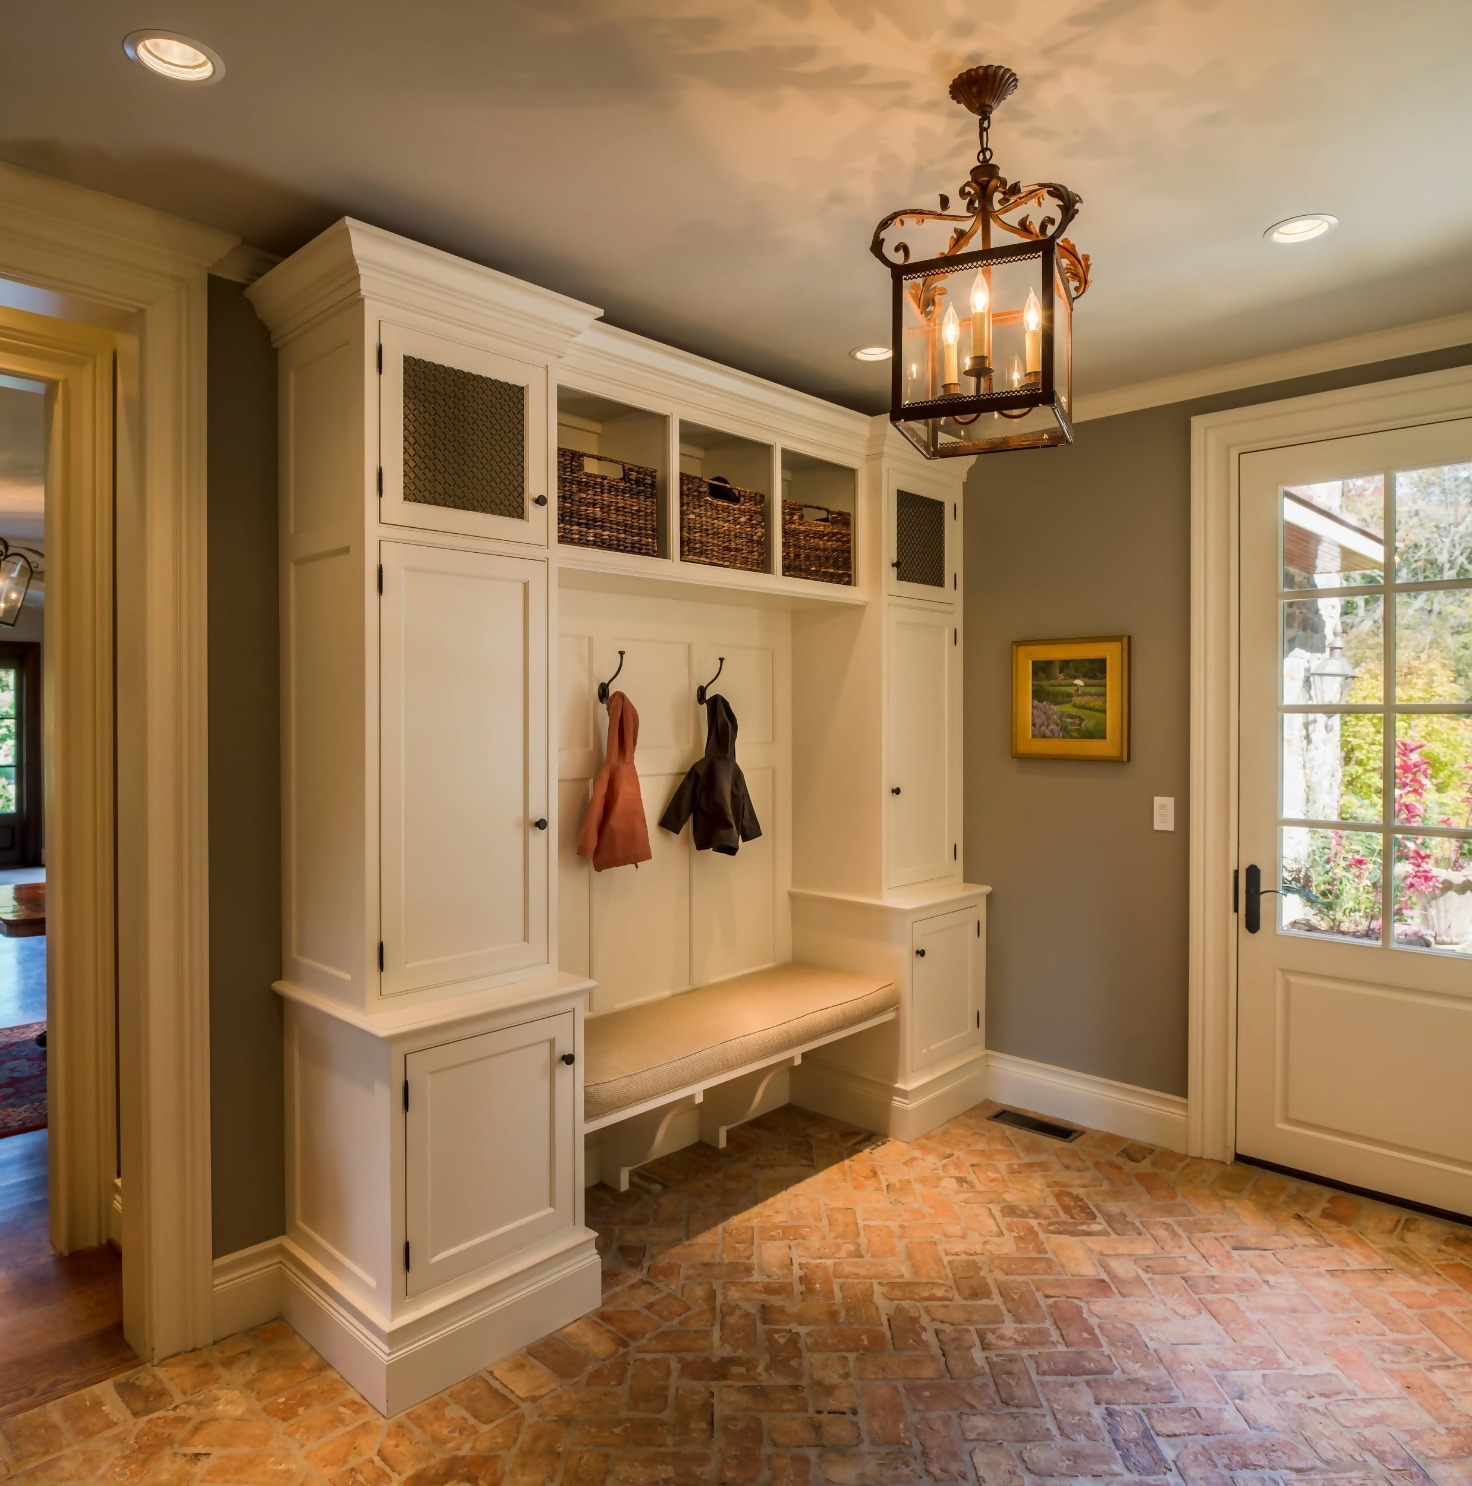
(1165, 813)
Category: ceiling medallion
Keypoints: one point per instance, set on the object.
(982, 335)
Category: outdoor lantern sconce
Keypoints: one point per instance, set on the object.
(17, 567)
(1330, 682)
(983, 335)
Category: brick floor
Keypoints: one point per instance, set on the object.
(814, 1305)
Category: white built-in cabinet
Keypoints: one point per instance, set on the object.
(489, 1137)
(465, 849)
(440, 653)
(946, 979)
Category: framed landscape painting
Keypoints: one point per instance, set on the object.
(1071, 698)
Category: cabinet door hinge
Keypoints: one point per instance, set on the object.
(406, 1096)
(978, 1021)
(978, 928)
(954, 850)
(380, 359)
(380, 580)
(406, 1256)
(955, 510)
(380, 482)
(1234, 890)
(380, 955)
(955, 580)
(955, 637)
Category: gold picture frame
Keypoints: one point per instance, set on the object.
(1071, 698)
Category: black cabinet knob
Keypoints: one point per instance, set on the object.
(539, 500)
(569, 1059)
(540, 822)
(895, 790)
(921, 953)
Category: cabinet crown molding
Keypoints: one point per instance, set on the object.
(354, 260)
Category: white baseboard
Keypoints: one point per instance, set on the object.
(433, 1347)
(247, 1288)
(890, 1109)
(1083, 1098)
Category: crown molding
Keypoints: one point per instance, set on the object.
(41, 212)
(244, 264)
(1280, 366)
(352, 260)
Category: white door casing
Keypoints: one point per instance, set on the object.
(473, 1196)
(920, 750)
(463, 771)
(397, 342)
(945, 987)
(1354, 1036)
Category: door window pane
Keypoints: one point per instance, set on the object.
(1433, 524)
(1433, 769)
(1333, 765)
(9, 731)
(1332, 649)
(1334, 533)
(1433, 645)
(1433, 894)
(1331, 884)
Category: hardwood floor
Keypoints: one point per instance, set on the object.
(61, 1320)
(22, 981)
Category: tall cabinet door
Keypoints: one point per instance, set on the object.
(462, 438)
(946, 987)
(464, 861)
(922, 754)
(488, 1147)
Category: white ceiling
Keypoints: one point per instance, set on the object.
(710, 171)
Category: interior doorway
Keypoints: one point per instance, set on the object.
(61, 1303)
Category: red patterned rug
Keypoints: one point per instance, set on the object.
(22, 1080)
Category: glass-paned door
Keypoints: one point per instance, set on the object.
(1355, 963)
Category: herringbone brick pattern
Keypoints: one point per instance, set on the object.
(816, 1306)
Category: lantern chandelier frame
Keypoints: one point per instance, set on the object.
(1014, 389)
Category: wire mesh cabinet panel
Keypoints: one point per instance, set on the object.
(922, 544)
(462, 438)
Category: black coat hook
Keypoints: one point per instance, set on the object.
(700, 691)
(604, 685)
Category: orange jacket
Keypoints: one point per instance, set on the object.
(615, 833)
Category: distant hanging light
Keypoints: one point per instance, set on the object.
(16, 572)
(1014, 390)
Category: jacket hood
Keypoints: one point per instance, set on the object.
(720, 728)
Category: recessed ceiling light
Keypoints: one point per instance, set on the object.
(1301, 229)
(171, 55)
(871, 353)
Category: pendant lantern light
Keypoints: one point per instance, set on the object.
(17, 567)
(982, 333)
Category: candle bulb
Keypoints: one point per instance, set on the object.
(980, 300)
(1016, 372)
(1032, 321)
(950, 334)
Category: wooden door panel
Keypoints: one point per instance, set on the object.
(945, 986)
(919, 745)
(474, 1194)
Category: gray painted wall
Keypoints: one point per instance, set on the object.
(1086, 952)
(244, 794)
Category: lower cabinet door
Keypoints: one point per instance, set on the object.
(488, 1158)
(946, 986)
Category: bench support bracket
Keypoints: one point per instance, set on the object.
(632, 1142)
(736, 1102)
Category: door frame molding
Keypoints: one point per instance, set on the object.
(1218, 442)
(81, 257)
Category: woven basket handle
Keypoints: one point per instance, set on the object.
(828, 513)
(720, 488)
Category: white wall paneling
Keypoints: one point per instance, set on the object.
(687, 917)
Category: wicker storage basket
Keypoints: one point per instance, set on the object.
(817, 547)
(598, 510)
(722, 524)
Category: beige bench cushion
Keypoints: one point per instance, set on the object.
(695, 1038)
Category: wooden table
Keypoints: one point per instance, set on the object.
(22, 909)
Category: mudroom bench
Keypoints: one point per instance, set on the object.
(721, 1045)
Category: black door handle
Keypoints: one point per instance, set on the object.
(895, 790)
(540, 822)
(569, 1059)
(1253, 894)
(921, 953)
